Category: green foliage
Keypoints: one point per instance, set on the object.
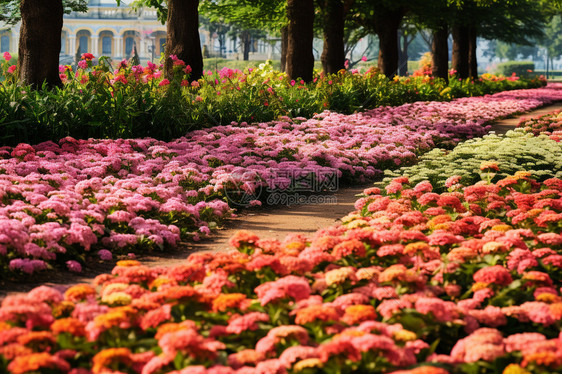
(96, 103)
(516, 151)
(520, 68)
(10, 9)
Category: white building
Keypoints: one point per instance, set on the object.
(114, 31)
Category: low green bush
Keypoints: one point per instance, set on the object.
(516, 151)
(520, 68)
(97, 102)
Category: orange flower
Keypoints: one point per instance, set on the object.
(393, 272)
(156, 283)
(4, 326)
(128, 263)
(38, 340)
(229, 301)
(489, 165)
(556, 310)
(549, 359)
(11, 351)
(79, 292)
(173, 327)
(36, 361)
(110, 356)
(115, 317)
(417, 247)
(316, 312)
(294, 248)
(359, 313)
(69, 325)
(63, 309)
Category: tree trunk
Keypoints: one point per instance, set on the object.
(300, 59)
(40, 42)
(440, 51)
(472, 50)
(284, 43)
(403, 54)
(246, 40)
(183, 36)
(333, 54)
(460, 50)
(387, 24)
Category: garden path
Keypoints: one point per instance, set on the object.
(267, 222)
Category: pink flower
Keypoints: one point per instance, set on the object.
(74, 266)
(7, 56)
(496, 274)
(164, 82)
(12, 69)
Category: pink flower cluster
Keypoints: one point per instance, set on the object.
(412, 278)
(60, 200)
(549, 124)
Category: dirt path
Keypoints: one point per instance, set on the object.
(503, 126)
(268, 222)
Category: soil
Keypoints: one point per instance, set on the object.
(266, 222)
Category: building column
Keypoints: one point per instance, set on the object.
(95, 45)
(72, 45)
(118, 40)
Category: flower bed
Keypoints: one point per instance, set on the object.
(516, 151)
(548, 124)
(62, 202)
(136, 101)
(463, 281)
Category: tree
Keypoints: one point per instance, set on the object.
(509, 21)
(384, 18)
(183, 36)
(300, 59)
(250, 18)
(40, 37)
(435, 15)
(333, 16)
(183, 41)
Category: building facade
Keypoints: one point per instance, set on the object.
(116, 31)
(106, 29)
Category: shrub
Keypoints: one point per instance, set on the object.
(522, 69)
(516, 151)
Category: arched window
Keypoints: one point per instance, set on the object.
(63, 44)
(129, 42)
(83, 44)
(106, 45)
(5, 43)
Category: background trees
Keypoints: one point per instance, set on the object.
(394, 22)
(40, 42)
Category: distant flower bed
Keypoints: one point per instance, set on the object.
(454, 282)
(61, 203)
(549, 124)
(98, 101)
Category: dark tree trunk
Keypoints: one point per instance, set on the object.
(460, 50)
(183, 36)
(246, 40)
(300, 59)
(403, 54)
(284, 43)
(440, 51)
(387, 24)
(40, 42)
(472, 50)
(333, 54)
